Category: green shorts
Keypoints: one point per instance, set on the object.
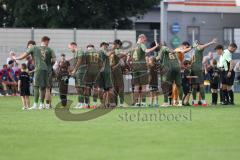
(117, 77)
(171, 76)
(40, 78)
(79, 82)
(140, 74)
(104, 80)
(90, 78)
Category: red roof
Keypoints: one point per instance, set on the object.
(225, 3)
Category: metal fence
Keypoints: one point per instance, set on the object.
(16, 39)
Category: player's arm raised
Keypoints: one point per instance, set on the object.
(186, 50)
(160, 55)
(148, 50)
(201, 47)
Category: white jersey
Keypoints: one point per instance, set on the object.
(226, 58)
(220, 62)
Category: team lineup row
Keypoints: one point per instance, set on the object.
(100, 73)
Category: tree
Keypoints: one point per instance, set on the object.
(5, 15)
(75, 13)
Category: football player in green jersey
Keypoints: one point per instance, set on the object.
(139, 69)
(105, 81)
(40, 73)
(93, 67)
(198, 71)
(50, 59)
(78, 72)
(169, 59)
(117, 74)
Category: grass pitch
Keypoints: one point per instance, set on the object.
(211, 133)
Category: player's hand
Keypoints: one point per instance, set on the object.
(14, 58)
(73, 72)
(214, 41)
(156, 44)
(102, 69)
(114, 67)
(229, 74)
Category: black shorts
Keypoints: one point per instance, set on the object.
(214, 85)
(90, 79)
(228, 80)
(200, 75)
(186, 88)
(105, 81)
(25, 91)
(153, 88)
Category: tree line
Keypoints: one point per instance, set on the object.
(97, 14)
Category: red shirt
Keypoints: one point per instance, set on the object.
(4, 75)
